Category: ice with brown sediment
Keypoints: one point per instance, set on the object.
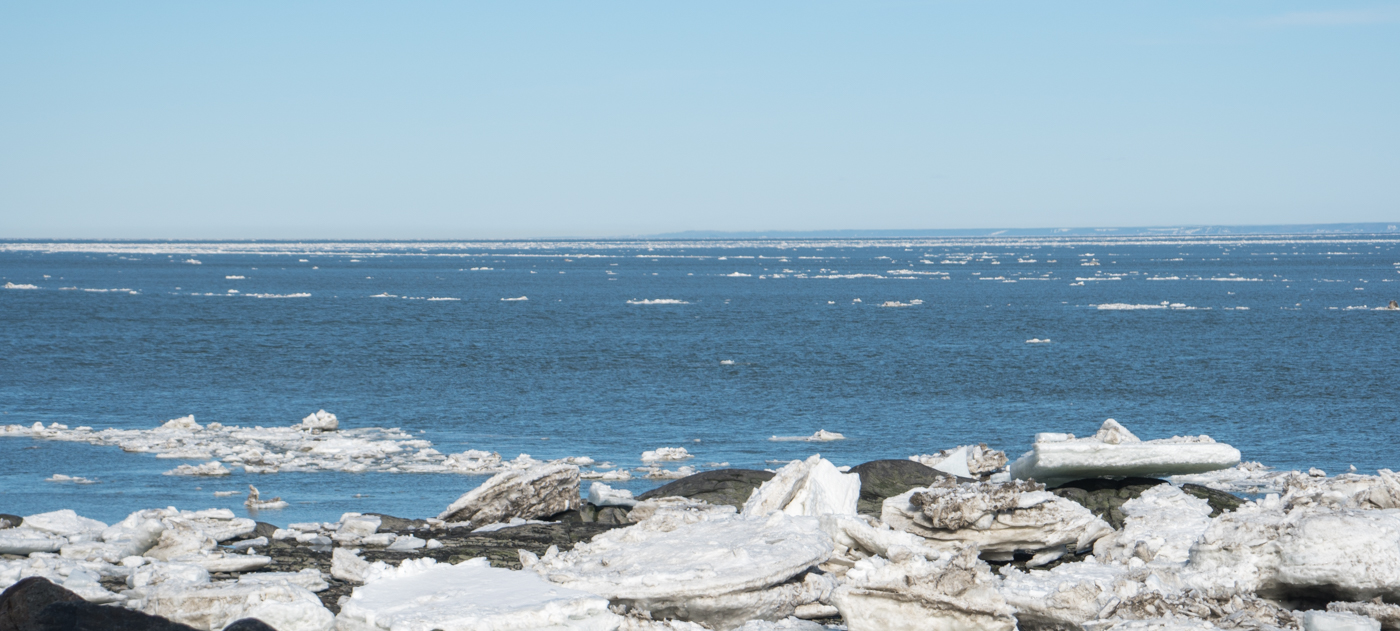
(908, 591)
(1160, 527)
(540, 491)
(965, 461)
(996, 517)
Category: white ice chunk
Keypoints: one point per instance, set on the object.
(1338, 621)
(1161, 526)
(992, 516)
(309, 578)
(955, 592)
(808, 487)
(666, 454)
(25, 541)
(357, 527)
(321, 420)
(64, 523)
(470, 596)
(281, 604)
(540, 491)
(600, 494)
(1114, 451)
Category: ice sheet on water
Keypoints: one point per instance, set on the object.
(658, 301)
(820, 436)
(520, 299)
(20, 286)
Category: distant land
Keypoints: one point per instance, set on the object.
(1302, 229)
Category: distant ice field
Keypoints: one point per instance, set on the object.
(1279, 345)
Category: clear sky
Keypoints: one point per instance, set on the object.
(523, 119)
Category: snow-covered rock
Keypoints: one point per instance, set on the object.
(709, 567)
(536, 492)
(1114, 451)
(421, 595)
(808, 487)
(1161, 526)
(995, 517)
(913, 593)
(281, 604)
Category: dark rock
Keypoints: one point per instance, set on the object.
(263, 529)
(1220, 501)
(85, 616)
(389, 523)
(249, 624)
(613, 515)
(22, 602)
(10, 521)
(1104, 497)
(721, 486)
(883, 479)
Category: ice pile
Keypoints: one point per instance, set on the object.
(1115, 451)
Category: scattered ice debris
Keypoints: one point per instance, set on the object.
(976, 460)
(214, 468)
(666, 454)
(255, 502)
(70, 479)
(1036, 340)
(1114, 451)
(820, 436)
(910, 593)
(1119, 306)
(20, 286)
(536, 492)
(659, 301)
(522, 298)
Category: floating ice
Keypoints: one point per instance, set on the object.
(821, 435)
(1036, 340)
(59, 477)
(659, 301)
(214, 468)
(20, 286)
(1114, 451)
(666, 454)
(321, 420)
(522, 298)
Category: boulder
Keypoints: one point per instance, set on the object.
(249, 624)
(1115, 451)
(10, 521)
(1104, 497)
(389, 523)
(533, 493)
(996, 518)
(21, 603)
(1220, 501)
(808, 487)
(956, 592)
(85, 616)
(883, 479)
(721, 486)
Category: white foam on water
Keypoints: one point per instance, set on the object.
(658, 301)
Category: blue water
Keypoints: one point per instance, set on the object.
(1297, 380)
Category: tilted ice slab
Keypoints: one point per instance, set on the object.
(422, 595)
(965, 461)
(538, 492)
(710, 567)
(1114, 451)
(954, 592)
(996, 517)
(808, 487)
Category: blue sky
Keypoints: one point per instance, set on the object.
(525, 119)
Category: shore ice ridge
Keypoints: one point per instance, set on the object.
(1320, 550)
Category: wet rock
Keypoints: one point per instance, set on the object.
(883, 479)
(389, 523)
(612, 515)
(10, 521)
(86, 616)
(1220, 501)
(1104, 497)
(249, 624)
(721, 486)
(262, 529)
(23, 601)
(530, 494)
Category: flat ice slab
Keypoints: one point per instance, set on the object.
(1114, 451)
(471, 596)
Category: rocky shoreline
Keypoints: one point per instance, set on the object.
(1170, 534)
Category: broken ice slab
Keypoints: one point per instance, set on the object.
(1114, 451)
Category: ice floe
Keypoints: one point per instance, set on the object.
(820, 436)
(658, 301)
(666, 454)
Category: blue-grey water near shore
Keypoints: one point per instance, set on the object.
(1303, 376)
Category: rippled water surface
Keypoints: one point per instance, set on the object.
(1273, 345)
